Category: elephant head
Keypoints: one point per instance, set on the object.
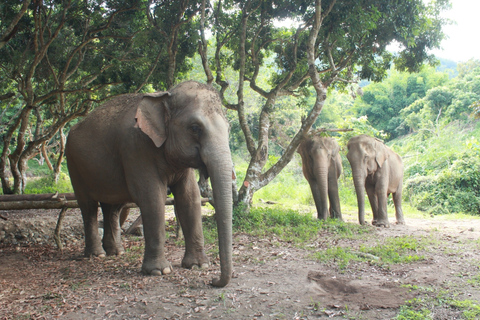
(366, 156)
(321, 164)
(189, 124)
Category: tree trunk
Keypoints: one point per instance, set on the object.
(61, 154)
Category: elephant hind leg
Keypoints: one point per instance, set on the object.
(372, 198)
(112, 241)
(397, 201)
(335, 210)
(93, 244)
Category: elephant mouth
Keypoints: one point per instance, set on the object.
(202, 169)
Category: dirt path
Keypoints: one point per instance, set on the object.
(272, 280)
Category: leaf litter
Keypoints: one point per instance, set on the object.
(272, 279)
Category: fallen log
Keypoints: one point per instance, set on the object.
(63, 201)
(56, 204)
(37, 197)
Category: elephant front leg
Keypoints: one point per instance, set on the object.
(189, 213)
(112, 241)
(153, 217)
(373, 199)
(397, 201)
(333, 197)
(93, 243)
(381, 219)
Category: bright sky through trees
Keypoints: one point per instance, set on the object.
(462, 43)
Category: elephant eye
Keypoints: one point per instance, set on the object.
(195, 129)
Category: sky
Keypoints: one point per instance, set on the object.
(463, 41)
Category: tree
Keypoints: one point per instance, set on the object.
(13, 12)
(384, 102)
(174, 23)
(442, 104)
(335, 43)
(66, 57)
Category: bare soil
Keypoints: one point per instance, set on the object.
(273, 279)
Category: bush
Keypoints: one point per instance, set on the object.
(455, 189)
(47, 185)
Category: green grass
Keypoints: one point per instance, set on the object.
(393, 250)
(421, 308)
(286, 224)
(407, 313)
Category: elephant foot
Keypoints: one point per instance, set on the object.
(163, 267)
(381, 223)
(199, 259)
(114, 251)
(95, 252)
(402, 222)
(113, 248)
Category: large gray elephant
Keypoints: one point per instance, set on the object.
(322, 165)
(135, 146)
(379, 171)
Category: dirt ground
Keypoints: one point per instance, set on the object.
(272, 279)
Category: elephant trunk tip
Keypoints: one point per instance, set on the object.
(222, 281)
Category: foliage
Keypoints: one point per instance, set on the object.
(421, 102)
(476, 109)
(443, 175)
(359, 126)
(278, 61)
(49, 185)
(63, 58)
(383, 102)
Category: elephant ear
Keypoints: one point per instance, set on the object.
(152, 115)
(380, 153)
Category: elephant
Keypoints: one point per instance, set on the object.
(378, 170)
(134, 147)
(322, 165)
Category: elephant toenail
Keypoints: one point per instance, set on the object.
(167, 271)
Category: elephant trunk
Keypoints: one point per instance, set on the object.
(320, 189)
(359, 182)
(219, 167)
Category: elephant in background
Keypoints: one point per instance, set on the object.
(379, 171)
(322, 165)
(136, 146)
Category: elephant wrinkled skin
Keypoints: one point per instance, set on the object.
(322, 165)
(135, 146)
(379, 171)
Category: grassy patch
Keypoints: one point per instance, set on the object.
(392, 251)
(422, 308)
(396, 250)
(408, 313)
(285, 224)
